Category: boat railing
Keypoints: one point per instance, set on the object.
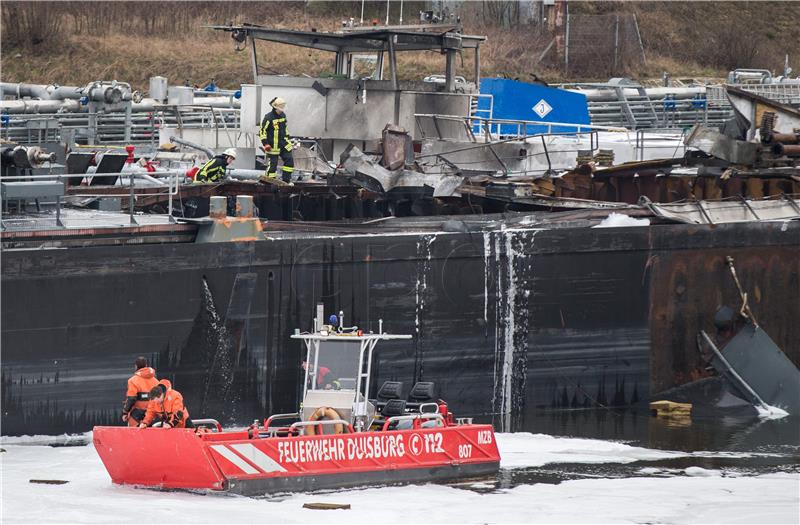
(105, 128)
(413, 417)
(207, 422)
(198, 116)
(482, 129)
(22, 188)
(277, 417)
(645, 139)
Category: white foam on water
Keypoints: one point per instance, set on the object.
(770, 412)
(695, 495)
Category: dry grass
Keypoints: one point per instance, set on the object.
(686, 39)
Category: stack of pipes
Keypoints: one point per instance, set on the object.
(42, 98)
(109, 111)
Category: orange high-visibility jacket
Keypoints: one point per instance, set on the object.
(170, 410)
(139, 386)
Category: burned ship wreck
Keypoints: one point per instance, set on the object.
(534, 272)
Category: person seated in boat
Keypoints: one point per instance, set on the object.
(166, 407)
(333, 385)
(324, 378)
(138, 394)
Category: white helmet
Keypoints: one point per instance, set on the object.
(278, 103)
(230, 152)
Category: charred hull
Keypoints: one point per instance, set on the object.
(506, 321)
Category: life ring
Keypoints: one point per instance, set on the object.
(324, 413)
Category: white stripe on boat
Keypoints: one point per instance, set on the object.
(263, 461)
(231, 456)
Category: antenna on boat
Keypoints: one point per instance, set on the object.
(362, 12)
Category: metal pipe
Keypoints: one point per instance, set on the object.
(596, 94)
(733, 372)
(209, 152)
(784, 138)
(41, 91)
(218, 93)
(46, 105)
(244, 174)
(38, 106)
(792, 150)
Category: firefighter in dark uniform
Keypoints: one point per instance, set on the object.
(276, 141)
(214, 169)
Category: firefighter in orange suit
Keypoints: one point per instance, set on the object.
(166, 406)
(138, 395)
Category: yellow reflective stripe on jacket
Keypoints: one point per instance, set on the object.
(210, 172)
(276, 132)
(273, 131)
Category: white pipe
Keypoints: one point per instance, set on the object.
(149, 104)
(65, 106)
(218, 93)
(244, 174)
(42, 91)
(154, 180)
(208, 151)
(598, 94)
(39, 106)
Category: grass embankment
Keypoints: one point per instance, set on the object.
(685, 39)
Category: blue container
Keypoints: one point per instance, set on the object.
(515, 100)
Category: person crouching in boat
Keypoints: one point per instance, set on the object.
(323, 376)
(166, 407)
(138, 395)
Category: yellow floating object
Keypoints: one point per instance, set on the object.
(666, 408)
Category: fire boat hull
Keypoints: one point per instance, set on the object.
(232, 462)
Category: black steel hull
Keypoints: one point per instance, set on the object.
(505, 322)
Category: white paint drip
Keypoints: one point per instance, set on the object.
(510, 297)
(487, 253)
(507, 308)
(424, 252)
(498, 316)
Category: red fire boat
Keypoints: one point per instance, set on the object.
(341, 437)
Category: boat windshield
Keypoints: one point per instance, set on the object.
(337, 366)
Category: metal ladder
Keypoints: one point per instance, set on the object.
(638, 109)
